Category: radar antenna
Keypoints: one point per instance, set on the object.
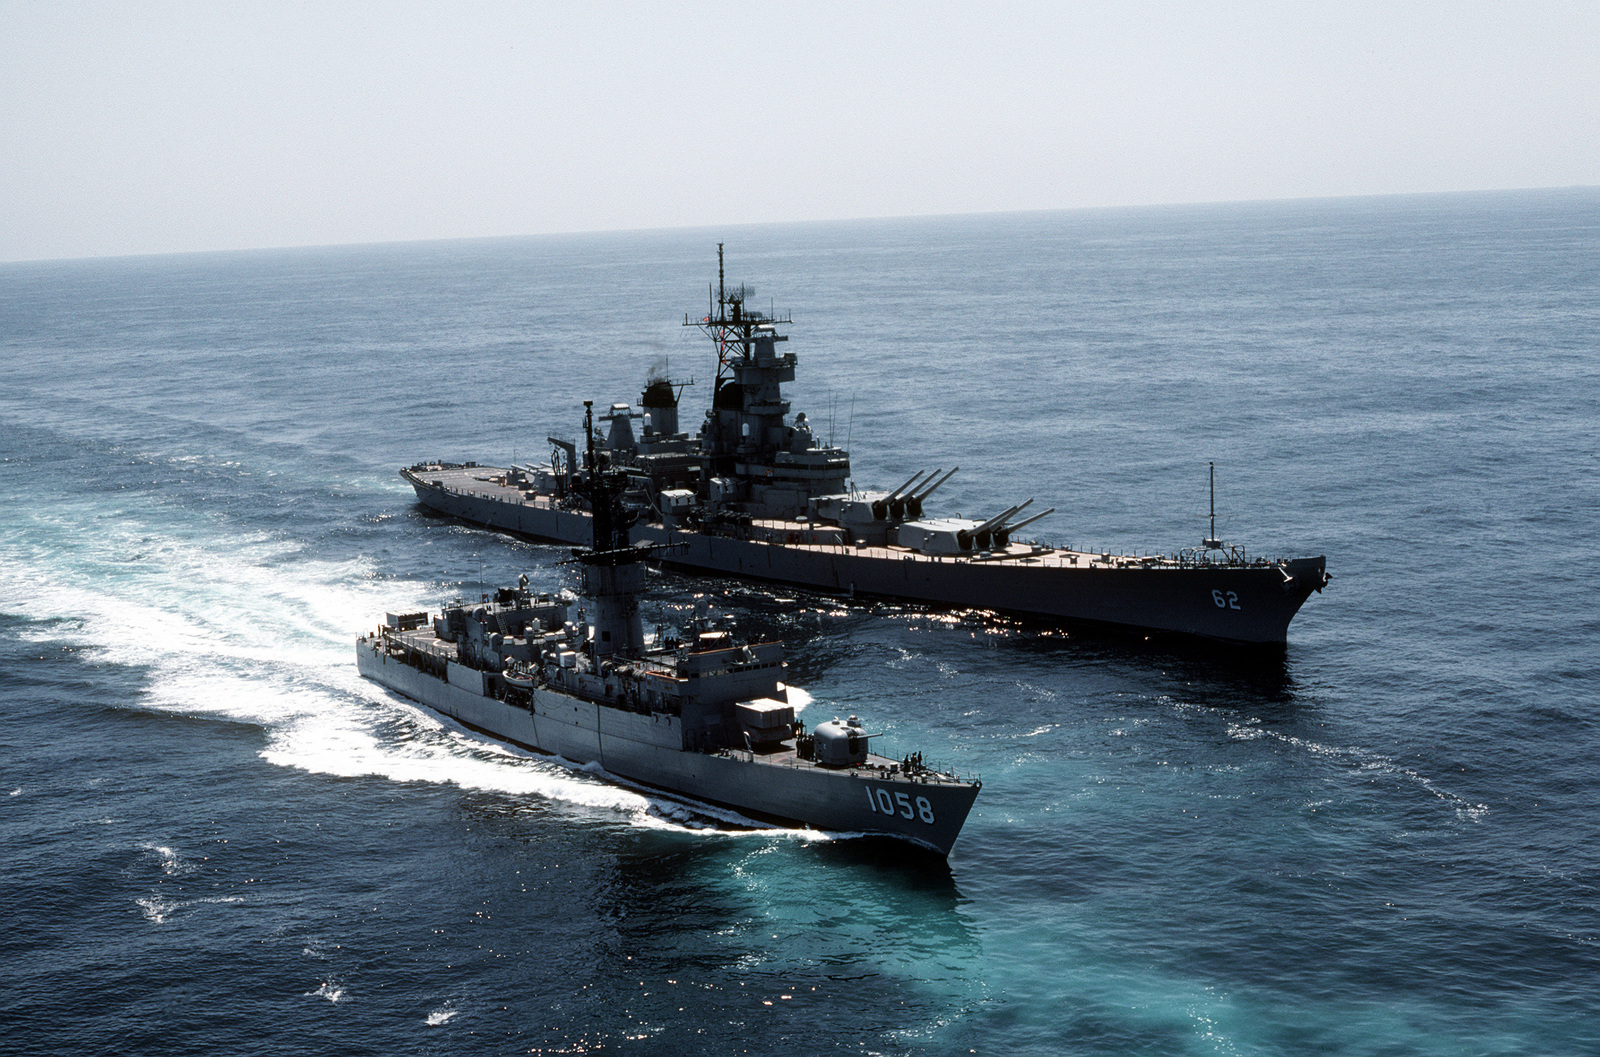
(730, 323)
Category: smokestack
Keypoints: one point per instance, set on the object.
(660, 402)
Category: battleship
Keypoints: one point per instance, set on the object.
(756, 494)
(707, 717)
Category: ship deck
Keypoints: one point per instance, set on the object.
(878, 768)
(489, 482)
(423, 640)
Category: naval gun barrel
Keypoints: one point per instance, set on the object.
(1002, 536)
(923, 491)
(903, 503)
(880, 507)
(1000, 519)
(905, 489)
(966, 537)
(981, 536)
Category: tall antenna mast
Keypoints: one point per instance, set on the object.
(1211, 542)
(730, 323)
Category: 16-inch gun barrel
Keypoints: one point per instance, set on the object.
(893, 504)
(1000, 519)
(913, 508)
(1002, 536)
(924, 492)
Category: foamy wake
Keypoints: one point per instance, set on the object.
(160, 905)
(157, 909)
(154, 908)
(244, 627)
(329, 990)
(797, 698)
(1361, 761)
(172, 864)
(436, 750)
(347, 738)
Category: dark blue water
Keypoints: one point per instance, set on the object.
(218, 839)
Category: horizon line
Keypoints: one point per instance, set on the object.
(570, 232)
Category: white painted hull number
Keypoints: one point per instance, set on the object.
(883, 802)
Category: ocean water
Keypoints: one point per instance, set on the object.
(216, 838)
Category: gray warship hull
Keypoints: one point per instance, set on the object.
(647, 749)
(1242, 602)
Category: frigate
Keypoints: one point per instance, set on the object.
(707, 717)
(756, 493)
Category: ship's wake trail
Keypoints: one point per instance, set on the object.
(248, 627)
(1366, 765)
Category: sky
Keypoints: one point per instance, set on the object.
(156, 127)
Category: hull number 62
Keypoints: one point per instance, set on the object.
(1225, 599)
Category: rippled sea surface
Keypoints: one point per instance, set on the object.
(216, 838)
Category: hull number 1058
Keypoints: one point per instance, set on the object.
(885, 803)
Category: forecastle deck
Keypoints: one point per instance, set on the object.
(1231, 599)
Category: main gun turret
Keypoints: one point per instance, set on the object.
(892, 506)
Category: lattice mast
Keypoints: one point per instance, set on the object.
(730, 322)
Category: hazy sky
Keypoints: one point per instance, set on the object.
(156, 127)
